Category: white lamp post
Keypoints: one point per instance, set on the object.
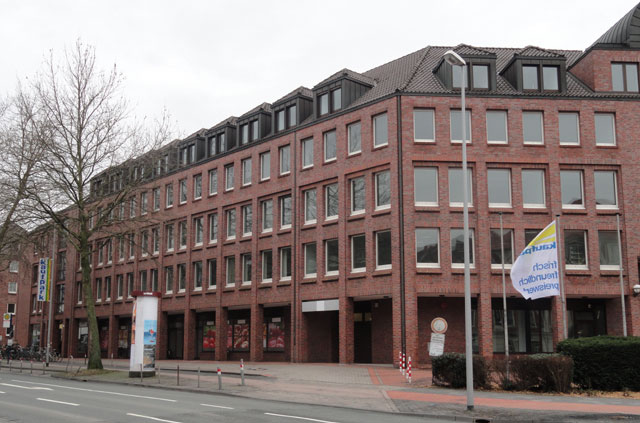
(454, 59)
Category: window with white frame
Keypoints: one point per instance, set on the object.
(457, 248)
(99, 289)
(197, 187)
(169, 236)
(145, 244)
(427, 247)
(198, 229)
(247, 220)
(230, 218)
(154, 280)
(182, 234)
(132, 210)
(624, 77)
(383, 250)
(310, 209)
(119, 287)
(183, 191)
(329, 146)
(533, 190)
(532, 128)
(606, 191)
(456, 191)
(168, 196)
(267, 266)
(572, 189)
(129, 285)
(213, 228)
(155, 240)
(383, 190)
(285, 263)
(168, 280)
(144, 202)
(310, 263)
(182, 277)
(265, 166)
(357, 195)
(132, 246)
(156, 199)
(354, 134)
(331, 257)
(497, 127)
(197, 275)
(358, 253)
(609, 253)
(424, 125)
(575, 249)
(13, 287)
(307, 153)
(228, 177)
(246, 269)
(213, 181)
(605, 129)
(285, 212)
(569, 128)
(499, 187)
(455, 117)
(246, 172)
(380, 130)
(143, 280)
(331, 201)
(212, 271)
(267, 215)
(496, 248)
(14, 265)
(425, 185)
(285, 159)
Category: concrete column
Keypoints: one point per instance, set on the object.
(345, 329)
(256, 331)
(485, 325)
(189, 334)
(221, 333)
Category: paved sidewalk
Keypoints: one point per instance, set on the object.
(371, 387)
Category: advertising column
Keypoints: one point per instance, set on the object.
(144, 326)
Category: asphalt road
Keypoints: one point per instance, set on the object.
(34, 399)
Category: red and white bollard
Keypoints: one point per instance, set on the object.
(242, 371)
(409, 370)
(400, 361)
(404, 364)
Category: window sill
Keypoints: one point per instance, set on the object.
(212, 244)
(382, 211)
(501, 209)
(356, 216)
(606, 145)
(168, 207)
(308, 279)
(429, 269)
(459, 269)
(282, 175)
(265, 234)
(330, 221)
(420, 141)
(574, 211)
(497, 269)
(330, 161)
(308, 226)
(382, 272)
(380, 147)
(602, 210)
(197, 289)
(454, 208)
(284, 283)
(265, 285)
(244, 287)
(357, 275)
(584, 271)
(569, 145)
(354, 154)
(196, 199)
(231, 287)
(331, 278)
(284, 230)
(305, 168)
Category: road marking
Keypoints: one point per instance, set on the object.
(58, 402)
(27, 387)
(2, 392)
(299, 418)
(96, 391)
(217, 406)
(151, 418)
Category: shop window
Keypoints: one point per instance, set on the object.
(274, 335)
(238, 335)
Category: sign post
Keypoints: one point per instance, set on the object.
(438, 328)
(144, 334)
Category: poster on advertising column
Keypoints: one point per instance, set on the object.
(144, 334)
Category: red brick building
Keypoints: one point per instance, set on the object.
(327, 226)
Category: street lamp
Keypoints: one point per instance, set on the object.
(454, 59)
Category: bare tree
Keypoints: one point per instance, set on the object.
(92, 135)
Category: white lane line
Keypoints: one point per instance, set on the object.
(98, 391)
(151, 418)
(299, 418)
(27, 387)
(58, 402)
(217, 406)
(2, 392)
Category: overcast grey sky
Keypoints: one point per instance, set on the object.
(207, 60)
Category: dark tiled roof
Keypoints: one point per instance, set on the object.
(198, 133)
(625, 32)
(266, 107)
(465, 49)
(533, 51)
(231, 120)
(304, 91)
(349, 74)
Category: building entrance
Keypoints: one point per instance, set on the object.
(175, 343)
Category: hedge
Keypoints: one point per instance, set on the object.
(450, 370)
(537, 372)
(608, 363)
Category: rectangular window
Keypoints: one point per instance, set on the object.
(79, 291)
(213, 181)
(307, 153)
(605, 129)
(228, 177)
(575, 249)
(212, 269)
(530, 78)
(247, 220)
(13, 287)
(230, 265)
(533, 191)
(244, 133)
(456, 125)
(197, 276)
(132, 248)
(336, 99)
(198, 227)
(569, 128)
(132, 210)
(332, 261)
(499, 187)
(331, 201)
(280, 120)
(154, 280)
(571, 188)
(425, 185)
(310, 264)
(182, 234)
(285, 160)
(457, 248)
(182, 277)
(155, 240)
(456, 73)
(267, 215)
(213, 228)
(119, 287)
(11, 308)
(323, 104)
(169, 234)
(604, 182)
(285, 263)
(456, 192)
(497, 127)
(609, 257)
(383, 250)
(357, 195)
(285, 212)
(143, 280)
(156, 199)
(310, 215)
(168, 196)
(380, 130)
(145, 244)
(550, 78)
(183, 191)
(329, 146)
(231, 223)
(130, 285)
(14, 266)
(267, 266)
(427, 247)
(532, 128)
(480, 77)
(624, 77)
(144, 201)
(496, 250)
(246, 172)
(265, 166)
(354, 134)
(197, 187)
(293, 115)
(358, 254)
(98, 290)
(168, 279)
(383, 190)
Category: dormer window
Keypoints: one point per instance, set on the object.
(624, 77)
(212, 146)
(550, 78)
(280, 121)
(477, 74)
(292, 112)
(531, 78)
(254, 130)
(244, 134)
(336, 98)
(323, 101)
(192, 153)
(329, 102)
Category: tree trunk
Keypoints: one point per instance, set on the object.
(95, 360)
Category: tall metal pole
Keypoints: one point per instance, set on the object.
(504, 300)
(624, 311)
(51, 279)
(467, 272)
(563, 298)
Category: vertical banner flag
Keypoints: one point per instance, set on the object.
(535, 274)
(44, 275)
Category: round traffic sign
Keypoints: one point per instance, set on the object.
(439, 325)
